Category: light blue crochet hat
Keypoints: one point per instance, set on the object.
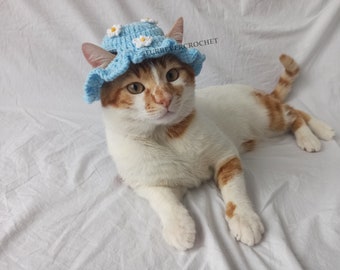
(133, 43)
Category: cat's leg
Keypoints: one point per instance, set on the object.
(320, 128)
(244, 224)
(178, 226)
(308, 129)
(282, 118)
(305, 138)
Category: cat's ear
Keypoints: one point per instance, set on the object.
(176, 31)
(96, 56)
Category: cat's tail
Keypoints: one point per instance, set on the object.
(287, 78)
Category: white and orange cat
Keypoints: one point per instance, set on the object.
(165, 137)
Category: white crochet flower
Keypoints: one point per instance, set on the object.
(142, 41)
(114, 30)
(149, 20)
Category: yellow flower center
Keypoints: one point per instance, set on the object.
(142, 39)
(113, 29)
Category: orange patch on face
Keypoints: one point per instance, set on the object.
(163, 95)
(119, 98)
(162, 92)
(228, 170)
(115, 93)
(188, 74)
(186, 71)
(179, 129)
(275, 111)
(249, 145)
(230, 209)
(160, 97)
(149, 100)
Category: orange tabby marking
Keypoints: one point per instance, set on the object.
(284, 81)
(284, 84)
(293, 72)
(249, 145)
(228, 170)
(300, 118)
(304, 115)
(297, 123)
(292, 68)
(230, 209)
(275, 111)
(179, 129)
(115, 93)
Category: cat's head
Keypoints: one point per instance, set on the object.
(157, 91)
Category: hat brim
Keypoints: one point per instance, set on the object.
(120, 64)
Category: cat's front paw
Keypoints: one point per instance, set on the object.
(246, 227)
(179, 231)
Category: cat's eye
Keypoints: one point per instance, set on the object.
(135, 88)
(172, 75)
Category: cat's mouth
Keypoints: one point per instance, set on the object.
(168, 111)
(167, 114)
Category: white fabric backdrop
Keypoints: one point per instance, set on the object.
(62, 206)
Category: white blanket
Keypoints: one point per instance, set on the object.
(62, 205)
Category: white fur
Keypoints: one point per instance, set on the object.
(178, 227)
(148, 159)
(161, 169)
(235, 111)
(155, 74)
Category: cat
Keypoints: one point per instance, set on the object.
(166, 137)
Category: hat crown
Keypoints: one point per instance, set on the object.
(124, 40)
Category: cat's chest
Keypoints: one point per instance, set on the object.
(184, 161)
(172, 163)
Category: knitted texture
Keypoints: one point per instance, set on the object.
(134, 43)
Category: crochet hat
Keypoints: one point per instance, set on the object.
(133, 43)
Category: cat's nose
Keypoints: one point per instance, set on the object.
(164, 98)
(165, 102)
